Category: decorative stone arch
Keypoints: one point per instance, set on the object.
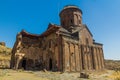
(76, 19)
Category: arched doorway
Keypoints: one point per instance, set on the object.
(50, 64)
(24, 63)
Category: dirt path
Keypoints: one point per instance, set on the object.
(40, 75)
(18, 75)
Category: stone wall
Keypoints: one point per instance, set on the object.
(77, 57)
(85, 37)
(71, 55)
(37, 52)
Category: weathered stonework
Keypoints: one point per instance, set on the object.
(69, 47)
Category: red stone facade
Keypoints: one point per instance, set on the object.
(68, 47)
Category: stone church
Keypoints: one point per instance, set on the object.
(68, 47)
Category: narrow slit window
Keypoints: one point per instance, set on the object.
(50, 43)
(87, 42)
(79, 21)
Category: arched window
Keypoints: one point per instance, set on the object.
(76, 19)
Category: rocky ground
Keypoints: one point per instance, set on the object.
(7, 74)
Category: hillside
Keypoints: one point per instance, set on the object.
(112, 64)
(5, 54)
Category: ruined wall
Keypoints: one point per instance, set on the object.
(32, 52)
(26, 52)
(38, 52)
(31, 47)
(50, 51)
(16, 47)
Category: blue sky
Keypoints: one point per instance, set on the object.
(101, 16)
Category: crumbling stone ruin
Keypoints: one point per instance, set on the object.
(68, 47)
(2, 44)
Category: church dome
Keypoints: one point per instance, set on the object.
(71, 7)
(71, 15)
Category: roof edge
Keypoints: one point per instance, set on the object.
(70, 7)
(88, 29)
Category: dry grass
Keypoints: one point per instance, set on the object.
(5, 55)
(5, 50)
(16, 75)
(8, 74)
(115, 75)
